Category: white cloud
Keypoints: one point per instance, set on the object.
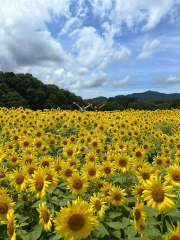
(124, 82)
(160, 80)
(67, 26)
(148, 49)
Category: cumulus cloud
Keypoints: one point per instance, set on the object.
(124, 82)
(160, 80)
(148, 49)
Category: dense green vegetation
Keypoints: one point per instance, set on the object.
(27, 91)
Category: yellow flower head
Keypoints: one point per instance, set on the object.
(45, 217)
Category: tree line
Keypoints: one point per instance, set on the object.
(24, 90)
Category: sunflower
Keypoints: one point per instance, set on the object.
(68, 151)
(156, 194)
(18, 179)
(107, 169)
(139, 216)
(98, 205)
(6, 205)
(11, 225)
(3, 191)
(105, 191)
(173, 235)
(67, 171)
(77, 184)
(64, 142)
(123, 162)
(25, 198)
(13, 159)
(37, 143)
(146, 146)
(91, 157)
(74, 162)
(139, 154)
(173, 175)
(138, 164)
(38, 184)
(137, 191)
(52, 177)
(75, 221)
(72, 139)
(57, 164)
(90, 171)
(45, 217)
(95, 144)
(3, 173)
(159, 162)
(121, 146)
(145, 174)
(45, 161)
(28, 159)
(117, 196)
(30, 168)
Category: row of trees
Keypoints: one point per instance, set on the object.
(27, 91)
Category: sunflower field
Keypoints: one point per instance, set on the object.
(97, 175)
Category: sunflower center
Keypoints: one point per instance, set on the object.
(107, 170)
(176, 176)
(19, 179)
(39, 184)
(45, 164)
(140, 191)
(92, 172)
(77, 184)
(158, 194)
(94, 144)
(2, 175)
(45, 216)
(107, 192)
(159, 161)
(3, 208)
(26, 143)
(68, 173)
(38, 144)
(175, 237)
(31, 170)
(117, 196)
(76, 222)
(137, 214)
(49, 178)
(145, 146)
(138, 154)
(100, 185)
(14, 159)
(139, 166)
(122, 162)
(70, 152)
(72, 163)
(10, 228)
(98, 205)
(24, 198)
(145, 175)
(28, 160)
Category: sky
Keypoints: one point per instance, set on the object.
(93, 47)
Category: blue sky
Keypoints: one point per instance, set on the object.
(94, 47)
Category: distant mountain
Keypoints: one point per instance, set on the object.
(152, 95)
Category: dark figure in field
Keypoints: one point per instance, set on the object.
(82, 108)
(95, 108)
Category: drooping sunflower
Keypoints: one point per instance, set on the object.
(173, 175)
(38, 184)
(98, 205)
(139, 216)
(11, 225)
(25, 198)
(117, 196)
(77, 184)
(173, 235)
(75, 221)
(90, 171)
(156, 194)
(45, 217)
(18, 179)
(52, 177)
(6, 205)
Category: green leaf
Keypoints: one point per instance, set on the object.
(18, 204)
(151, 232)
(114, 225)
(168, 225)
(36, 204)
(23, 219)
(100, 231)
(125, 222)
(35, 234)
(114, 214)
(54, 237)
(130, 232)
(152, 221)
(150, 212)
(63, 202)
(138, 238)
(117, 233)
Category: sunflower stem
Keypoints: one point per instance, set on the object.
(162, 220)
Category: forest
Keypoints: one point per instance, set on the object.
(24, 90)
